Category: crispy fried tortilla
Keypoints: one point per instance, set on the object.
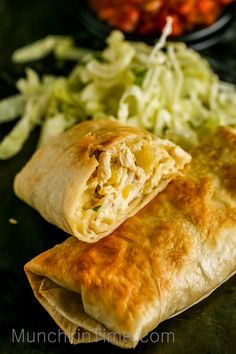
(171, 255)
(93, 177)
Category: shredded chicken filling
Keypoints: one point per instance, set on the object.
(125, 174)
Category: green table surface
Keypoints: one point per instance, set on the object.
(208, 327)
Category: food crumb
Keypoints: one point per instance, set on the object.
(13, 221)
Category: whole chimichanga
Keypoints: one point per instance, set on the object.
(171, 255)
(96, 175)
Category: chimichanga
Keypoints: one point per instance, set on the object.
(96, 175)
(171, 255)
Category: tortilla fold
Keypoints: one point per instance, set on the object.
(90, 179)
(169, 256)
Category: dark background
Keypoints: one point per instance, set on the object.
(208, 327)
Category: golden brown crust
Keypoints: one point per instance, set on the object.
(173, 253)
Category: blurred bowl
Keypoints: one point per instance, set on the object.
(198, 40)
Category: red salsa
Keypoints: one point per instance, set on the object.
(149, 16)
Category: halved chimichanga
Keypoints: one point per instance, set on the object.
(93, 177)
(172, 254)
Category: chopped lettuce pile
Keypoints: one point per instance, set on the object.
(167, 89)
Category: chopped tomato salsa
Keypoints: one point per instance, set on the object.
(149, 16)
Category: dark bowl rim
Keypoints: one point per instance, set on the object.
(101, 29)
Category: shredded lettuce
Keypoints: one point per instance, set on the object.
(167, 89)
(11, 108)
(54, 126)
(63, 47)
(14, 141)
